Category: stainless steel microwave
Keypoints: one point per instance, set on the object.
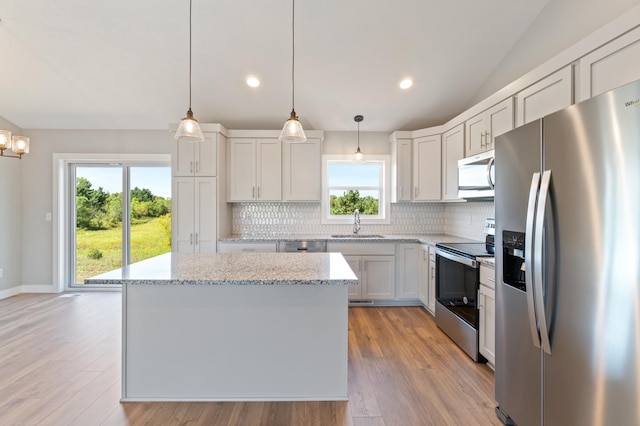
(476, 176)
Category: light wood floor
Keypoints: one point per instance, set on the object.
(60, 365)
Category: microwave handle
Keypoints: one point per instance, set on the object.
(489, 166)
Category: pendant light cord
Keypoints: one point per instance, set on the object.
(293, 55)
(190, 14)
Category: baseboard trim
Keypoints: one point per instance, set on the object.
(9, 292)
(38, 289)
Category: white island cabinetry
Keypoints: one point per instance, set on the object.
(234, 327)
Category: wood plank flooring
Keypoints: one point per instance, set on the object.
(60, 365)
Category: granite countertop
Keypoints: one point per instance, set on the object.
(234, 269)
(399, 238)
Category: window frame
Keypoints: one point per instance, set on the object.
(384, 203)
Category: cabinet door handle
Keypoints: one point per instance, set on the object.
(196, 238)
(197, 166)
(190, 166)
(488, 139)
(258, 192)
(253, 192)
(482, 136)
(415, 191)
(190, 239)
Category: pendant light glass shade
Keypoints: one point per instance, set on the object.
(292, 130)
(20, 144)
(189, 128)
(5, 139)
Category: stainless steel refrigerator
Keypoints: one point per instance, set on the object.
(567, 200)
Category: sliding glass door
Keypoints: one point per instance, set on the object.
(120, 214)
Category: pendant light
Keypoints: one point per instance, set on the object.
(358, 156)
(292, 130)
(189, 128)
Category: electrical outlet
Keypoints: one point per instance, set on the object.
(47, 217)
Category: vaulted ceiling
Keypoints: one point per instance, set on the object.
(123, 64)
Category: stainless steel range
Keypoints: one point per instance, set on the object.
(457, 285)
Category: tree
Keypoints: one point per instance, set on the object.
(142, 194)
(347, 203)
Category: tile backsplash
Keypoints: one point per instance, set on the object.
(467, 219)
(282, 219)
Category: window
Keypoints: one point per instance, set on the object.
(113, 210)
(349, 185)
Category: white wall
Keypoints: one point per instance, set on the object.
(559, 25)
(11, 190)
(345, 143)
(37, 177)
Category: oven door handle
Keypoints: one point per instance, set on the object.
(460, 259)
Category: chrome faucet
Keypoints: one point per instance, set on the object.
(356, 222)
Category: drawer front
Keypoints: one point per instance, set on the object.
(487, 276)
(267, 247)
(361, 248)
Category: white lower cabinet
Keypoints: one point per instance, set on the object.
(375, 277)
(428, 277)
(487, 309)
(408, 271)
(193, 218)
(431, 304)
(424, 274)
(373, 264)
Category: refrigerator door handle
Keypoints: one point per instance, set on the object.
(538, 260)
(529, 254)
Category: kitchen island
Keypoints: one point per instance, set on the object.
(234, 327)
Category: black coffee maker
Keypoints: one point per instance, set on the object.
(490, 233)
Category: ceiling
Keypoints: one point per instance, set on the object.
(123, 64)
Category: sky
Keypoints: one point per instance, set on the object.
(155, 179)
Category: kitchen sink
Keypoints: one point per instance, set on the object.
(355, 236)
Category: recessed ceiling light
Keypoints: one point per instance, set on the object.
(253, 82)
(406, 83)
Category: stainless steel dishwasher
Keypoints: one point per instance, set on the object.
(302, 246)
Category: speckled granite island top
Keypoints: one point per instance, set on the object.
(234, 269)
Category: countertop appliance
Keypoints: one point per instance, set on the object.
(476, 177)
(568, 265)
(457, 285)
(302, 246)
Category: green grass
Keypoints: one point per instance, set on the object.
(147, 240)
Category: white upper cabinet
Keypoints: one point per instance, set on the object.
(302, 170)
(452, 151)
(255, 169)
(484, 127)
(613, 65)
(548, 95)
(427, 176)
(194, 158)
(401, 186)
